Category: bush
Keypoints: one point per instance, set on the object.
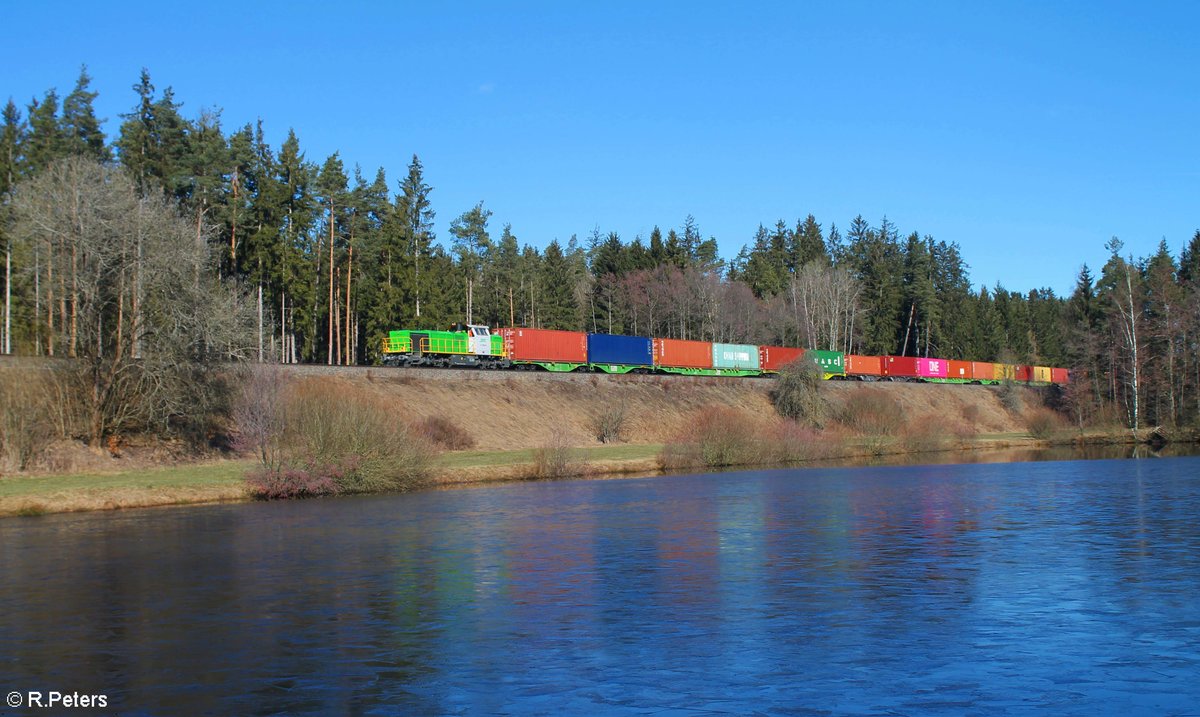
(444, 433)
(871, 412)
(555, 460)
(1043, 423)
(791, 442)
(797, 393)
(930, 432)
(1010, 396)
(293, 482)
(27, 415)
(608, 424)
(718, 437)
(332, 441)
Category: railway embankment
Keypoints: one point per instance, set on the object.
(521, 425)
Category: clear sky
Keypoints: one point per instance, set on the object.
(1027, 132)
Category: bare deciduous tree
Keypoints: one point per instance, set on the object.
(146, 321)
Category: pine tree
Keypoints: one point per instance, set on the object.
(81, 130)
(807, 243)
(557, 309)
(331, 193)
(45, 143)
(416, 216)
(12, 144)
(472, 245)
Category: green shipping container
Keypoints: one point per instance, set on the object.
(735, 356)
(832, 363)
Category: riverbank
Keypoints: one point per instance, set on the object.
(223, 481)
(518, 426)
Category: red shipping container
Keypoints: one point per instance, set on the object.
(900, 366)
(1060, 375)
(959, 370)
(545, 345)
(1023, 373)
(863, 365)
(683, 354)
(773, 358)
(983, 371)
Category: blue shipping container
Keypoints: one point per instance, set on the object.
(735, 356)
(623, 350)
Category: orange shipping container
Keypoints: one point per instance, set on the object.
(773, 358)
(545, 345)
(863, 365)
(683, 354)
(1060, 375)
(960, 370)
(983, 371)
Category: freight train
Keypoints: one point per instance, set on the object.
(551, 350)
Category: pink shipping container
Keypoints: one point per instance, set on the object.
(983, 371)
(933, 367)
(1060, 375)
(773, 358)
(545, 345)
(863, 365)
(683, 354)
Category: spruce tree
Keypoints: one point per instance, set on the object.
(81, 130)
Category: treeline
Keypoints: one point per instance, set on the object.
(332, 258)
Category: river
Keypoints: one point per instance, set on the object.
(1066, 588)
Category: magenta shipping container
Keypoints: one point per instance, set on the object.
(932, 367)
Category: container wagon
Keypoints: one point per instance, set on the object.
(547, 348)
(864, 368)
(686, 357)
(612, 353)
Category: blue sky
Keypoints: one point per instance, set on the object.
(1028, 133)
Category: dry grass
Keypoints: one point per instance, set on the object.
(200, 483)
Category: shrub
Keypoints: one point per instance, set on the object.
(1010, 396)
(258, 414)
(871, 412)
(791, 442)
(718, 437)
(797, 393)
(930, 432)
(1043, 423)
(554, 460)
(332, 441)
(444, 433)
(293, 482)
(608, 424)
(27, 413)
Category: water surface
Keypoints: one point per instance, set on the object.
(1049, 588)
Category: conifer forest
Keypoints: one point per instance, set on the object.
(179, 236)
